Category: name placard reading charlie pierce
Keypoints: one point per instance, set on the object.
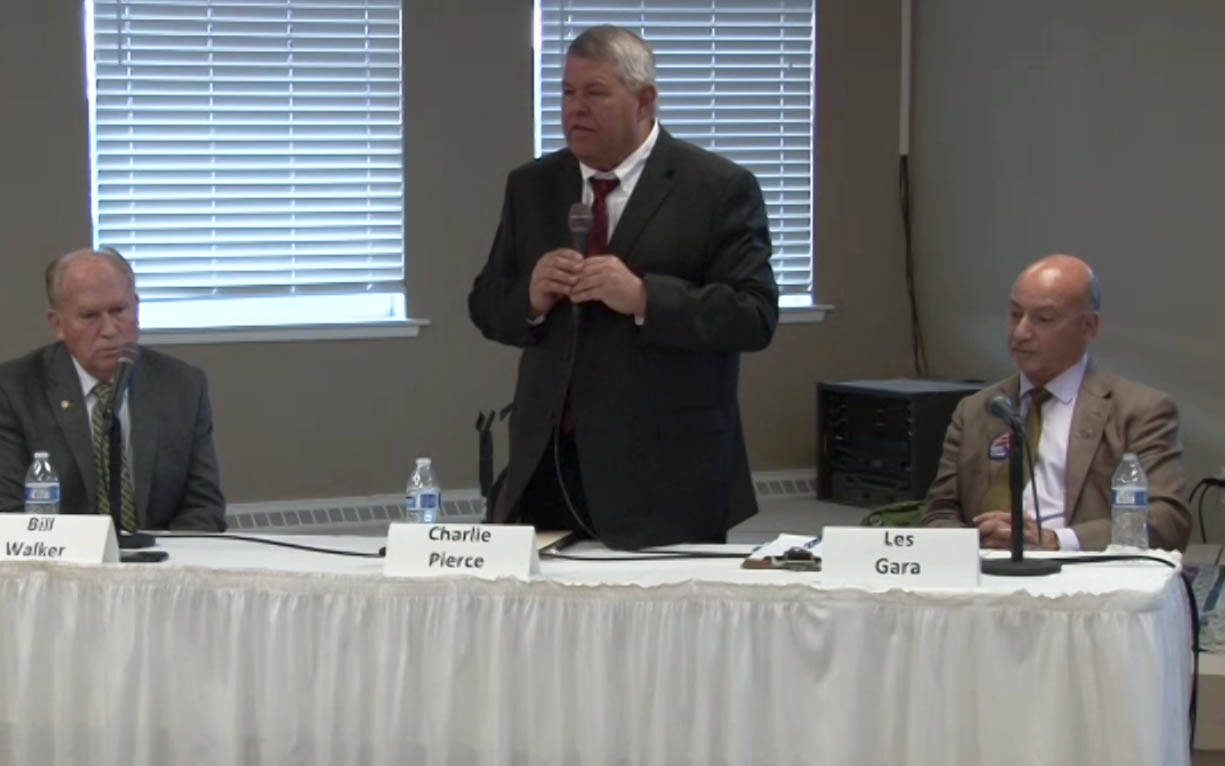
(79, 539)
(476, 550)
(900, 558)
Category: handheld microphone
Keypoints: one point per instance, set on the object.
(580, 220)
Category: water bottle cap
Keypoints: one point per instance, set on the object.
(1130, 456)
(423, 461)
(40, 455)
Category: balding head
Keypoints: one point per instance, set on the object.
(93, 307)
(53, 278)
(1053, 316)
(1067, 273)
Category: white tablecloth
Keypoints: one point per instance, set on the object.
(232, 653)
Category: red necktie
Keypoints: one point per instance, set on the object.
(597, 240)
(597, 243)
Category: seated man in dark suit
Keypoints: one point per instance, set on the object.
(52, 400)
(627, 423)
(1086, 419)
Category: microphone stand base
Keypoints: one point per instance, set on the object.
(1021, 567)
(128, 540)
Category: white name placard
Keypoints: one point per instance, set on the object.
(900, 557)
(77, 538)
(476, 550)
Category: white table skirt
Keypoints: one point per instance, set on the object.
(236, 663)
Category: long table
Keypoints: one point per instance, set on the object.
(237, 653)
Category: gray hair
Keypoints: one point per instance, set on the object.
(53, 278)
(633, 57)
(1093, 294)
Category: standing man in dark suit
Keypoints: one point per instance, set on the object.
(50, 400)
(626, 423)
(1085, 418)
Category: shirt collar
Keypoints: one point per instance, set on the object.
(1063, 386)
(87, 381)
(629, 165)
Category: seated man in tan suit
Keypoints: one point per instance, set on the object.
(1088, 419)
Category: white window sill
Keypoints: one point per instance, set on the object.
(408, 328)
(804, 314)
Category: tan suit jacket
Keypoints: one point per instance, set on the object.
(1112, 416)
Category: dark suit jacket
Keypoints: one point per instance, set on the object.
(1112, 416)
(658, 430)
(174, 465)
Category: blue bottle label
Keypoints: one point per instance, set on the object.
(425, 499)
(1126, 497)
(42, 492)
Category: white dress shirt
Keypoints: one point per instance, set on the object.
(1051, 468)
(627, 175)
(91, 401)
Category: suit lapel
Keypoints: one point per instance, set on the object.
(64, 387)
(983, 468)
(652, 189)
(1088, 422)
(144, 435)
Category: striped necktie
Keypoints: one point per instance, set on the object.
(103, 437)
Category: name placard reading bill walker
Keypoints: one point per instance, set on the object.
(76, 538)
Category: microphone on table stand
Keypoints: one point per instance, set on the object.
(127, 538)
(1016, 565)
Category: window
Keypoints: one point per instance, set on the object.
(247, 158)
(734, 77)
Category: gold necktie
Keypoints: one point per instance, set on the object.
(999, 496)
(102, 461)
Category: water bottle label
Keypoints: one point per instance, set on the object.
(422, 500)
(1130, 497)
(42, 492)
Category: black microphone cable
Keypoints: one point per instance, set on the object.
(265, 541)
(1202, 488)
(1193, 608)
(646, 555)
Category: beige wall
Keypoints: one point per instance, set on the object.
(1095, 127)
(330, 418)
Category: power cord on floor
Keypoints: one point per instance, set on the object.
(1202, 488)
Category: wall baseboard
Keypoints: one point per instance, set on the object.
(372, 513)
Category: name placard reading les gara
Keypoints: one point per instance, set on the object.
(476, 550)
(900, 558)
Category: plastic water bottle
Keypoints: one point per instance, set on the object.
(1129, 504)
(422, 497)
(42, 486)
